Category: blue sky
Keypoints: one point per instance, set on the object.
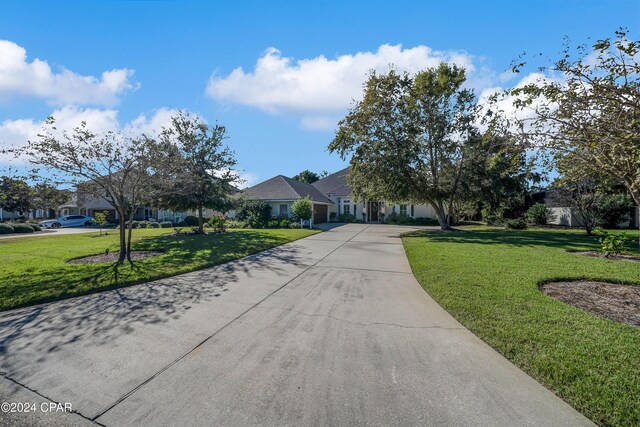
(301, 62)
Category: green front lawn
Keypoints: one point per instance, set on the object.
(488, 279)
(34, 269)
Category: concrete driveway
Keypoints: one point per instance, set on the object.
(329, 330)
(57, 232)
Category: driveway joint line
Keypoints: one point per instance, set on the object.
(340, 319)
(164, 369)
(362, 269)
(34, 391)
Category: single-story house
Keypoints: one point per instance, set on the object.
(331, 196)
(561, 214)
(337, 189)
(281, 192)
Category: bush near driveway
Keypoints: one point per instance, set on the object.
(22, 228)
(488, 279)
(35, 270)
(6, 229)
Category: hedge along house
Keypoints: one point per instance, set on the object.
(338, 190)
(281, 192)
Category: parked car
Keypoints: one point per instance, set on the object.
(68, 221)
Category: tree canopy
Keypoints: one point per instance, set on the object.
(409, 138)
(201, 167)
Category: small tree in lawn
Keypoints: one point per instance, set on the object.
(108, 166)
(100, 218)
(200, 167)
(303, 210)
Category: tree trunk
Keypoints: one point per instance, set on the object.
(635, 195)
(442, 216)
(130, 232)
(200, 221)
(123, 240)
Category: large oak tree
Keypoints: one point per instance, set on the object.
(408, 138)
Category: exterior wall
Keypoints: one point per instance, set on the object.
(564, 216)
(419, 211)
(4, 215)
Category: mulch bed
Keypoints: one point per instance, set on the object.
(594, 254)
(616, 302)
(112, 257)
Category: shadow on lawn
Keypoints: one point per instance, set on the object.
(97, 319)
(520, 238)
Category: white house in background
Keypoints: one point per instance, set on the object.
(336, 188)
(281, 192)
(561, 214)
(331, 196)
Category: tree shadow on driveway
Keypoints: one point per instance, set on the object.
(100, 318)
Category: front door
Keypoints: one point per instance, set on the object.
(373, 211)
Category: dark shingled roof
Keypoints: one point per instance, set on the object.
(283, 188)
(334, 184)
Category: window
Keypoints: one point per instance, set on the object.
(412, 210)
(284, 210)
(355, 209)
(403, 209)
(346, 207)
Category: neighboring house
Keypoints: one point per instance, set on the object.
(561, 214)
(336, 188)
(281, 192)
(83, 203)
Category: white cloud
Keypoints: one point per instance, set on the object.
(19, 77)
(16, 133)
(160, 119)
(313, 88)
(248, 179)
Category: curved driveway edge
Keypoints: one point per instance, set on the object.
(332, 329)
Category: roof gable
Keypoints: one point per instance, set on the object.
(334, 184)
(284, 188)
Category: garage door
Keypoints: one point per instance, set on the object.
(319, 214)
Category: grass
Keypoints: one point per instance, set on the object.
(488, 279)
(34, 269)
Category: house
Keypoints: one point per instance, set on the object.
(561, 214)
(338, 190)
(281, 192)
(331, 196)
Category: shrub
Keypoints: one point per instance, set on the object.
(143, 224)
(516, 224)
(22, 228)
(181, 224)
(254, 213)
(233, 223)
(538, 214)
(302, 209)
(273, 224)
(492, 216)
(6, 229)
(285, 223)
(166, 224)
(36, 227)
(611, 244)
(191, 221)
(346, 218)
(154, 224)
(617, 208)
(294, 224)
(426, 221)
(402, 219)
(217, 223)
(333, 216)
